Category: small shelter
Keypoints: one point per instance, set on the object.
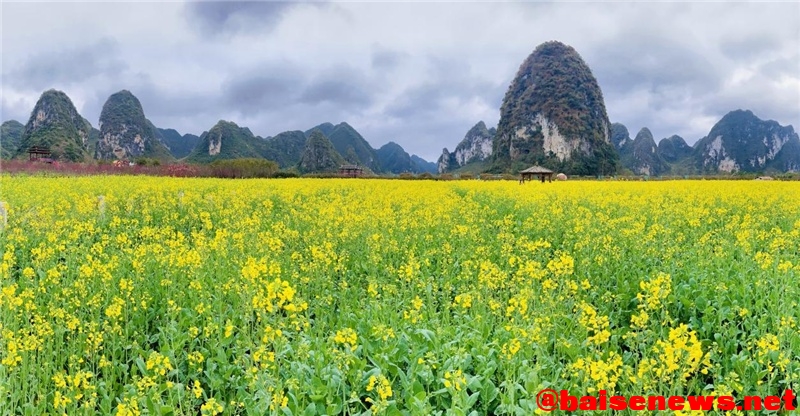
(538, 171)
(39, 152)
(351, 171)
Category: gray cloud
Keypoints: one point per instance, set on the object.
(343, 92)
(787, 65)
(235, 17)
(385, 59)
(344, 86)
(42, 70)
(261, 92)
(418, 73)
(653, 62)
(748, 47)
(448, 82)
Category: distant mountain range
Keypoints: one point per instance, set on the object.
(739, 142)
(125, 133)
(553, 115)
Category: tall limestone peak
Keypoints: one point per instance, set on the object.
(319, 155)
(553, 115)
(476, 146)
(125, 132)
(644, 135)
(446, 162)
(741, 141)
(226, 140)
(56, 124)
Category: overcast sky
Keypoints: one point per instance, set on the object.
(419, 74)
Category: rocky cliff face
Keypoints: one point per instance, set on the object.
(226, 140)
(125, 132)
(446, 162)
(56, 124)
(740, 141)
(319, 155)
(554, 115)
(476, 146)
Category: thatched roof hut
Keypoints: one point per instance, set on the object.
(537, 171)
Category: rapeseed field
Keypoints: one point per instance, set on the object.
(135, 295)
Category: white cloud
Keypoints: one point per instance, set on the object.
(420, 74)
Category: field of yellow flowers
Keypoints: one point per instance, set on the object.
(134, 295)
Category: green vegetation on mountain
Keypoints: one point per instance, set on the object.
(474, 168)
(286, 148)
(324, 128)
(553, 115)
(394, 159)
(56, 124)
(179, 145)
(423, 166)
(643, 157)
(243, 168)
(10, 136)
(319, 155)
(94, 138)
(351, 145)
(742, 142)
(226, 140)
(125, 132)
(673, 149)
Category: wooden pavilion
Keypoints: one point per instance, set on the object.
(351, 171)
(537, 171)
(39, 152)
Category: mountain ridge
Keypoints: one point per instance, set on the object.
(56, 124)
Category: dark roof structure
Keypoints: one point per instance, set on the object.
(536, 169)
